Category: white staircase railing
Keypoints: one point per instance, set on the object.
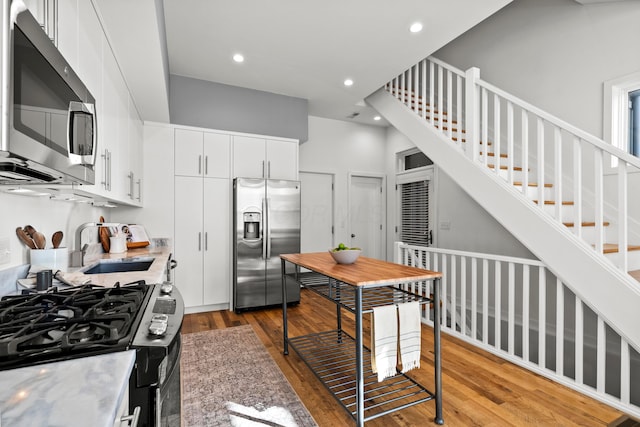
(574, 177)
(494, 302)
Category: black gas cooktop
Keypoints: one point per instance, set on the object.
(62, 324)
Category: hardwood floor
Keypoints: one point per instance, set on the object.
(479, 389)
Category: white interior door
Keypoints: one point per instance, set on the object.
(366, 215)
(316, 233)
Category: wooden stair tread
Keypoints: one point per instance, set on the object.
(505, 167)
(532, 184)
(612, 248)
(585, 224)
(502, 155)
(553, 202)
(635, 274)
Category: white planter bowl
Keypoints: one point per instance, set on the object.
(347, 256)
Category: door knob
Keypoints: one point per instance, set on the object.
(353, 235)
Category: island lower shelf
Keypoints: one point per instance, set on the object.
(331, 357)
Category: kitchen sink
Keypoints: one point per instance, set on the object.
(119, 265)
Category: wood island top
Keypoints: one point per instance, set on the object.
(364, 272)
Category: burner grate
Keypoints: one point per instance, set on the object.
(63, 323)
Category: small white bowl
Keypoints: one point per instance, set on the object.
(346, 256)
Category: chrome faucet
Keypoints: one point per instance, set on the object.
(77, 259)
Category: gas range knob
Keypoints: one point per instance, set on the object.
(157, 328)
(166, 288)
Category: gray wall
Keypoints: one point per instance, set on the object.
(471, 227)
(211, 105)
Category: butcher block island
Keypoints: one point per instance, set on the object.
(341, 361)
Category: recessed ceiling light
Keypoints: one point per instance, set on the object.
(348, 82)
(376, 118)
(238, 57)
(416, 27)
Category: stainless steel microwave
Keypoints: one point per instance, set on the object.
(49, 119)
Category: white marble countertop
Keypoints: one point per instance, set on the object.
(79, 392)
(155, 274)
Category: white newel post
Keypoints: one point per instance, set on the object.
(472, 111)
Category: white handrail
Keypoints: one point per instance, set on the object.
(595, 141)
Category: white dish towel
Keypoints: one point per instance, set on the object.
(410, 329)
(384, 336)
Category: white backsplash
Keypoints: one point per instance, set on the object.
(47, 216)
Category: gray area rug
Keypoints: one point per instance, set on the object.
(229, 379)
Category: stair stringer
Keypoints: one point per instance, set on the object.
(604, 288)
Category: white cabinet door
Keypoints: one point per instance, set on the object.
(188, 154)
(121, 170)
(107, 128)
(217, 155)
(282, 160)
(248, 157)
(90, 38)
(68, 31)
(135, 153)
(217, 248)
(189, 239)
(264, 158)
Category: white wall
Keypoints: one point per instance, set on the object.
(46, 216)
(340, 147)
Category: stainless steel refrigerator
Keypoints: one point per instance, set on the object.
(266, 223)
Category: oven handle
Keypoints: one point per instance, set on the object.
(132, 420)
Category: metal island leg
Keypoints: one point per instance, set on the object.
(359, 357)
(284, 309)
(436, 349)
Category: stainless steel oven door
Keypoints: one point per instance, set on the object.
(168, 399)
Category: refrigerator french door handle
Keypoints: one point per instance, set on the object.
(268, 228)
(265, 227)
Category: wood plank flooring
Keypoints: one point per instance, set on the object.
(479, 389)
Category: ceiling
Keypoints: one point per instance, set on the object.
(297, 48)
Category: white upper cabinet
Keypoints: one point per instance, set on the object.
(282, 160)
(248, 157)
(188, 153)
(217, 155)
(68, 31)
(265, 158)
(90, 38)
(45, 12)
(204, 154)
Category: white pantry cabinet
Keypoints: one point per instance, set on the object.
(202, 233)
(204, 154)
(255, 157)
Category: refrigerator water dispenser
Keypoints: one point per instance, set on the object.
(251, 225)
